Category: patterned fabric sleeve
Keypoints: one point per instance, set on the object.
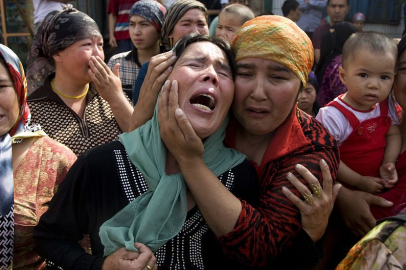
(36, 179)
(261, 234)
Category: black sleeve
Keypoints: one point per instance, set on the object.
(307, 253)
(60, 228)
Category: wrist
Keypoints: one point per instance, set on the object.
(192, 163)
(116, 101)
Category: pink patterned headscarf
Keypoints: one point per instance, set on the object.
(278, 39)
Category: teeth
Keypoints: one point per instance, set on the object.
(202, 107)
(204, 101)
(211, 98)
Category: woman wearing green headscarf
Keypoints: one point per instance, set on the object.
(131, 190)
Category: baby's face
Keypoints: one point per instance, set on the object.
(369, 78)
(228, 25)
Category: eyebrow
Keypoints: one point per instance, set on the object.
(384, 72)
(245, 65)
(141, 21)
(273, 66)
(401, 62)
(278, 67)
(191, 20)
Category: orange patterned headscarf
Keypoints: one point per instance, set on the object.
(278, 39)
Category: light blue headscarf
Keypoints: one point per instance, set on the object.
(159, 214)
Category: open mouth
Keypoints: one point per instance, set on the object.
(204, 102)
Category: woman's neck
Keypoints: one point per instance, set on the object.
(65, 87)
(145, 55)
(252, 145)
(309, 111)
(20, 150)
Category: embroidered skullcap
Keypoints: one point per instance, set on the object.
(175, 13)
(59, 30)
(278, 39)
(151, 10)
(358, 17)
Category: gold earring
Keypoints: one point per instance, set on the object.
(298, 114)
(160, 42)
(171, 42)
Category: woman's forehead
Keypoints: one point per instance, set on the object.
(203, 50)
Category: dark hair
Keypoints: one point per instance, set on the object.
(219, 42)
(348, 2)
(372, 41)
(313, 81)
(289, 5)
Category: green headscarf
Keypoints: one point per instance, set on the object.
(159, 214)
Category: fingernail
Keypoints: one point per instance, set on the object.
(388, 202)
(178, 111)
(166, 82)
(289, 175)
(169, 68)
(323, 162)
(284, 188)
(173, 57)
(298, 166)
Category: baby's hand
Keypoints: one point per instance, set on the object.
(370, 184)
(389, 174)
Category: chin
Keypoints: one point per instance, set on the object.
(205, 131)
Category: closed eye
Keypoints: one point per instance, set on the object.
(243, 74)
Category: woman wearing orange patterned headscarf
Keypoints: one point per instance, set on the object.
(274, 58)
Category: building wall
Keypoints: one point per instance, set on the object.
(393, 31)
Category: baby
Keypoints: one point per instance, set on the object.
(230, 20)
(364, 119)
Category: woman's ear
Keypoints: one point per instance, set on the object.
(341, 72)
(57, 57)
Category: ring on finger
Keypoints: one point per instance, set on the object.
(149, 267)
(308, 198)
(316, 190)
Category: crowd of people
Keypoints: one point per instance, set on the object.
(271, 142)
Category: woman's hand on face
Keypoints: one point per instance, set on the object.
(176, 130)
(159, 69)
(107, 82)
(315, 210)
(123, 259)
(354, 207)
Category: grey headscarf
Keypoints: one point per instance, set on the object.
(59, 30)
(175, 13)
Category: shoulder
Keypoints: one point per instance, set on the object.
(316, 132)
(119, 57)
(103, 152)
(58, 149)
